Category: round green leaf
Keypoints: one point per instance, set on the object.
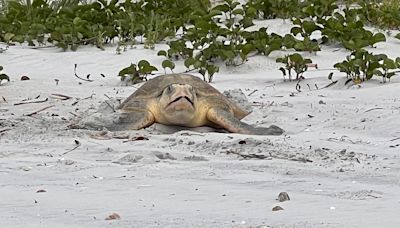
(238, 12)
(296, 30)
(379, 37)
(310, 26)
(168, 64)
(128, 70)
(389, 64)
(252, 12)
(297, 58)
(189, 62)
(214, 12)
(162, 53)
(8, 36)
(4, 77)
(148, 69)
(247, 48)
(143, 63)
(197, 64)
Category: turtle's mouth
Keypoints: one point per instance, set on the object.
(178, 99)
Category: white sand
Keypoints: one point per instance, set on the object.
(338, 161)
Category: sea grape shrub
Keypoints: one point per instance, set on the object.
(69, 24)
(384, 14)
(294, 62)
(318, 9)
(305, 28)
(261, 42)
(270, 9)
(25, 22)
(349, 31)
(362, 65)
(136, 73)
(3, 76)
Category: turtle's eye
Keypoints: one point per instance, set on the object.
(169, 89)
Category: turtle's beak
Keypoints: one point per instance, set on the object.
(180, 95)
(178, 104)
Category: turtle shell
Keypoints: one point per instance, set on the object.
(154, 87)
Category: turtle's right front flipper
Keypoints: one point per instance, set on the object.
(118, 121)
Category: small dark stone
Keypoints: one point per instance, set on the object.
(24, 78)
(283, 196)
(277, 208)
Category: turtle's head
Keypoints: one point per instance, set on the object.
(178, 103)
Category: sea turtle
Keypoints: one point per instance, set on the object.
(182, 100)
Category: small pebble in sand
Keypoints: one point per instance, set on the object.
(40, 191)
(113, 216)
(24, 78)
(283, 196)
(69, 162)
(26, 168)
(277, 208)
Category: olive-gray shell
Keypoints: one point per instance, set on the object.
(154, 87)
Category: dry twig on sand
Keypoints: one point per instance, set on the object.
(263, 156)
(32, 102)
(372, 109)
(4, 130)
(61, 96)
(77, 144)
(40, 110)
(76, 75)
(79, 100)
(252, 92)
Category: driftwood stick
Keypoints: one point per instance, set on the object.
(61, 96)
(79, 100)
(76, 75)
(372, 109)
(31, 102)
(4, 130)
(394, 139)
(76, 147)
(40, 110)
(252, 92)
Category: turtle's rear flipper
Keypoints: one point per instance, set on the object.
(117, 121)
(226, 120)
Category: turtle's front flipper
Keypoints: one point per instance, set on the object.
(118, 121)
(226, 120)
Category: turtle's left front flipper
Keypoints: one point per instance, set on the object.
(226, 119)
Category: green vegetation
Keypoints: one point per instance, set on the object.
(294, 62)
(3, 76)
(204, 37)
(362, 65)
(137, 72)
